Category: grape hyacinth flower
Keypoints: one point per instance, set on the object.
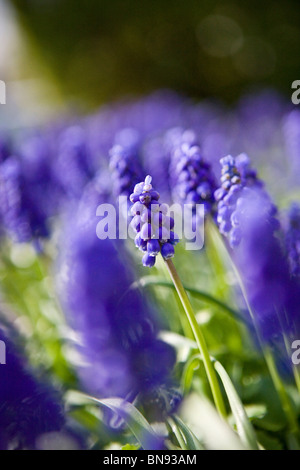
(273, 295)
(74, 165)
(247, 216)
(193, 180)
(124, 162)
(154, 236)
(291, 132)
(29, 196)
(239, 182)
(28, 407)
(13, 215)
(151, 223)
(292, 239)
(117, 327)
(5, 148)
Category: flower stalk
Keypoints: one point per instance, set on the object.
(210, 371)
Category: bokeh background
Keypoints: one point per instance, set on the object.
(85, 53)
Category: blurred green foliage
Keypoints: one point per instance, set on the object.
(101, 50)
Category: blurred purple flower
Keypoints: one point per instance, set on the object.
(273, 295)
(238, 181)
(73, 166)
(122, 355)
(192, 179)
(291, 129)
(5, 147)
(292, 239)
(28, 407)
(125, 162)
(29, 196)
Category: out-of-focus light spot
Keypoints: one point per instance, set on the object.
(219, 36)
(22, 255)
(203, 317)
(24, 326)
(256, 59)
(56, 441)
(9, 40)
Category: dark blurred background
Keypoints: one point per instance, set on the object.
(99, 50)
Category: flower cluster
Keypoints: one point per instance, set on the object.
(124, 162)
(239, 183)
(247, 216)
(291, 131)
(73, 166)
(29, 194)
(272, 294)
(28, 407)
(116, 326)
(151, 223)
(292, 239)
(193, 180)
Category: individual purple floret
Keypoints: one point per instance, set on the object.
(153, 226)
(292, 239)
(124, 162)
(238, 182)
(192, 178)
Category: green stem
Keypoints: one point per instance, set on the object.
(210, 371)
(284, 398)
(201, 295)
(177, 434)
(276, 379)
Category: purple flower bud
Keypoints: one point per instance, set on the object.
(146, 231)
(136, 223)
(167, 250)
(137, 208)
(153, 247)
(162, 233)
(148, 260)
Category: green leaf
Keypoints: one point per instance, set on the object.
(130, 447)
(192, 443)
(188, 373)
(134, 419)
(201, 295)
(244, 427)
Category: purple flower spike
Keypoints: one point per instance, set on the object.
(191, 175)
(239, 183)
(29, 407)
(124, 163)
(292, 239)
(151, 223)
